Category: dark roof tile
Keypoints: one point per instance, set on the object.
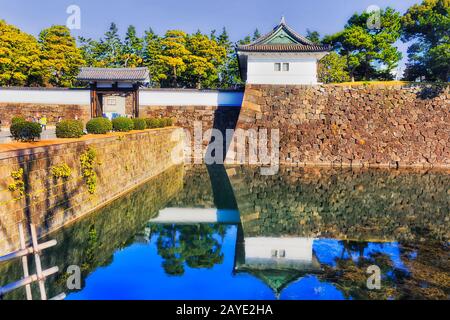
(113, 74)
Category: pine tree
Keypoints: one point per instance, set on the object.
(152, 51)
(173, 55)
(203, 63)
(132, 51)
(112, 47)
(427, 25)
(370, 52)
(60, 55)
(256, 35)
(229, 71)
(20, 62)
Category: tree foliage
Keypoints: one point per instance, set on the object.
(370, 52)
(428, 26)
(60, 55)
(20, 58)
(361, 51)
(332, 68)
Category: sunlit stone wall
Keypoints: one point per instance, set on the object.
(358, 125)
(122, 162)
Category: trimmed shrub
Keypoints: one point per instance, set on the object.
(26, 131)
(69, 129)
(17, 119)
(152, 123)
(168, 122)
(122, 124)
(139, 124)
(158, 122)
(99, 126)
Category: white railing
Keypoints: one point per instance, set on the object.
(40, 274)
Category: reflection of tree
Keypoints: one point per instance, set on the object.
(429, 271)
(351, 276)
(350, 247)
(195, 245)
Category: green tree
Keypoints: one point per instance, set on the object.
(60, 55)
(229, 70)
(313, 36)
(370, 52)
(111, 47)
(428, 26)
(173, 55)
(193, 245)
(152, 51)
(332, 68)
(20, 58)
(91, 51)
(256, 35)
(206, 55)
(132, 51)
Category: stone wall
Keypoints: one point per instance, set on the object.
(206, 117)
(52, 111)
(373, 125)
(122, 162)
(114, 227)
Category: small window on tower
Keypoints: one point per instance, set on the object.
(285, 66)
(277, 67)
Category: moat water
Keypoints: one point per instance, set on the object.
(229, 233)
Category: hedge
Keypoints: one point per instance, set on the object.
(25, 131)
(69, 129)
(17, 119)
(158, 122)
(99, 126)
(139, 124)
(122, 124)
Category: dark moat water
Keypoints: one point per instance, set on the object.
(230, 233)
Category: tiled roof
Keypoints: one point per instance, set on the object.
(302, 43)
(289, 47)
(113, 74)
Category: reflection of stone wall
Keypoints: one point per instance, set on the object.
(197, 192)
(92, 241)
(344, 204)
(353, 125)
(122, 162)
(220, 118)
(52, 111)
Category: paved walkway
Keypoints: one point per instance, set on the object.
(5, 135)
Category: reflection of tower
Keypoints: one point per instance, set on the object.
(276, 261)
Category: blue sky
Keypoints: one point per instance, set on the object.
(240, 17)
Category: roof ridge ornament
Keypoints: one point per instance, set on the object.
(283, 20)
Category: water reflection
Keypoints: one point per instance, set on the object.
(230, 233)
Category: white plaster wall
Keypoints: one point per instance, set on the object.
(190, 98)
(45, 96)
(302, 70)
(300, 249)
(146, 97)
(196, 215)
